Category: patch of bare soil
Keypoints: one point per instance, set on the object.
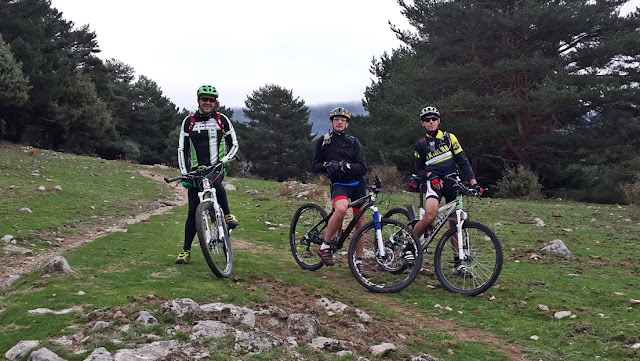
(85, 232)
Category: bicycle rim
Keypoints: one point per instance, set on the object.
(215, 245)
(306, 234)
(483, 265)
(390, 273)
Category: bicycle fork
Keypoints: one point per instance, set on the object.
(378, 228)
(461, 216)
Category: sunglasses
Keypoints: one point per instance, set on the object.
(210, 100)
(429, 119)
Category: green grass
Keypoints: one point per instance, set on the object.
(123, 270)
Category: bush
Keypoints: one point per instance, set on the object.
(389, 175)
(519, 183)
(632, 191)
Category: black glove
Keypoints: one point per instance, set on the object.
(478, 189)
(331, 167)
(434, 179)
(344, 166)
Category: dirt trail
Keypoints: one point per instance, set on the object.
(17, 265)
(404, 324)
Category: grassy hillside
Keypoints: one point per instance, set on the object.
(134, 270)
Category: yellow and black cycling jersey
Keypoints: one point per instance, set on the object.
(441, 154)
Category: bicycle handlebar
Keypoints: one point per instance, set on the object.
(196, 173)
(464, 187)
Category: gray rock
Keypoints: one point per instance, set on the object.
(383, 348)
(58, 265)
(12, 279)
(6, 238)
(15, 249)
(303, 325)
(153, 351)
(324, 343)
(243, 314)
(364, 317)
(331, 306)
(145, 318)
(424, 357)
(180, 307)
(100, 354)
(44, 354)
(256, 342)
(20, 350)
(100, 325)
(210, 329)
(557, 247)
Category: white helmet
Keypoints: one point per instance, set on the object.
(429, 110)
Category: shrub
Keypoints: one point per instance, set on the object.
(632, 190)
(389, 175)
(519, 183)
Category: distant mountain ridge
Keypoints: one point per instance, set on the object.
(318, 114)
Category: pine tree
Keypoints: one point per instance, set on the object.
(277, 140)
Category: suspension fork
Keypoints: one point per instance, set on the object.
(377, 226)
(461, 216)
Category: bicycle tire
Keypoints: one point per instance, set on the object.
(484, 265)
(215, 248)
(399, 214)
(304, 238)
(391, 274)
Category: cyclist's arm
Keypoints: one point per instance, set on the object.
(229, 138)
(316, 163)
(183, 147)
(462, 161)
(419, 163)
(359, 164)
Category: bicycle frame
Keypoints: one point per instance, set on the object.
(444, 214)
(364, 203)
(208, 194)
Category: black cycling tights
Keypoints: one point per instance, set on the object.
(190, 224)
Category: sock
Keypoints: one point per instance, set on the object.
(325, 245)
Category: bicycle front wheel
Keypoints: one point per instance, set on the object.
(215, 245)
(483, 263)
(390, 272)
(306, 234)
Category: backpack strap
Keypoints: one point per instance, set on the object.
(219, 120)
(192, 120)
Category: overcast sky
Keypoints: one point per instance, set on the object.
(321, 50)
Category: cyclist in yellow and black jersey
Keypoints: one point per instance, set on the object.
(438, 154)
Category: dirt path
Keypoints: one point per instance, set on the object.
(12, 265)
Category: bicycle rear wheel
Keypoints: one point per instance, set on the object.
(306, 234)
(399, 214)
(390, 273)
(481, 268)
(215, 245)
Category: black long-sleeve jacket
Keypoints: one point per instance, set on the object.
(336, 146)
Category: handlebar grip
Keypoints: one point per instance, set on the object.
(167, 180)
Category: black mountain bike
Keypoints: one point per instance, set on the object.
(382, 241)
(479, 252)
(213, 234)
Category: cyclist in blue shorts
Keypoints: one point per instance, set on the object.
(342, 158)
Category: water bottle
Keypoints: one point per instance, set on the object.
(439, 218)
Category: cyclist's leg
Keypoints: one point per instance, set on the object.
(431, 203)
(190, 224)
(221, 194)
(358, 192)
